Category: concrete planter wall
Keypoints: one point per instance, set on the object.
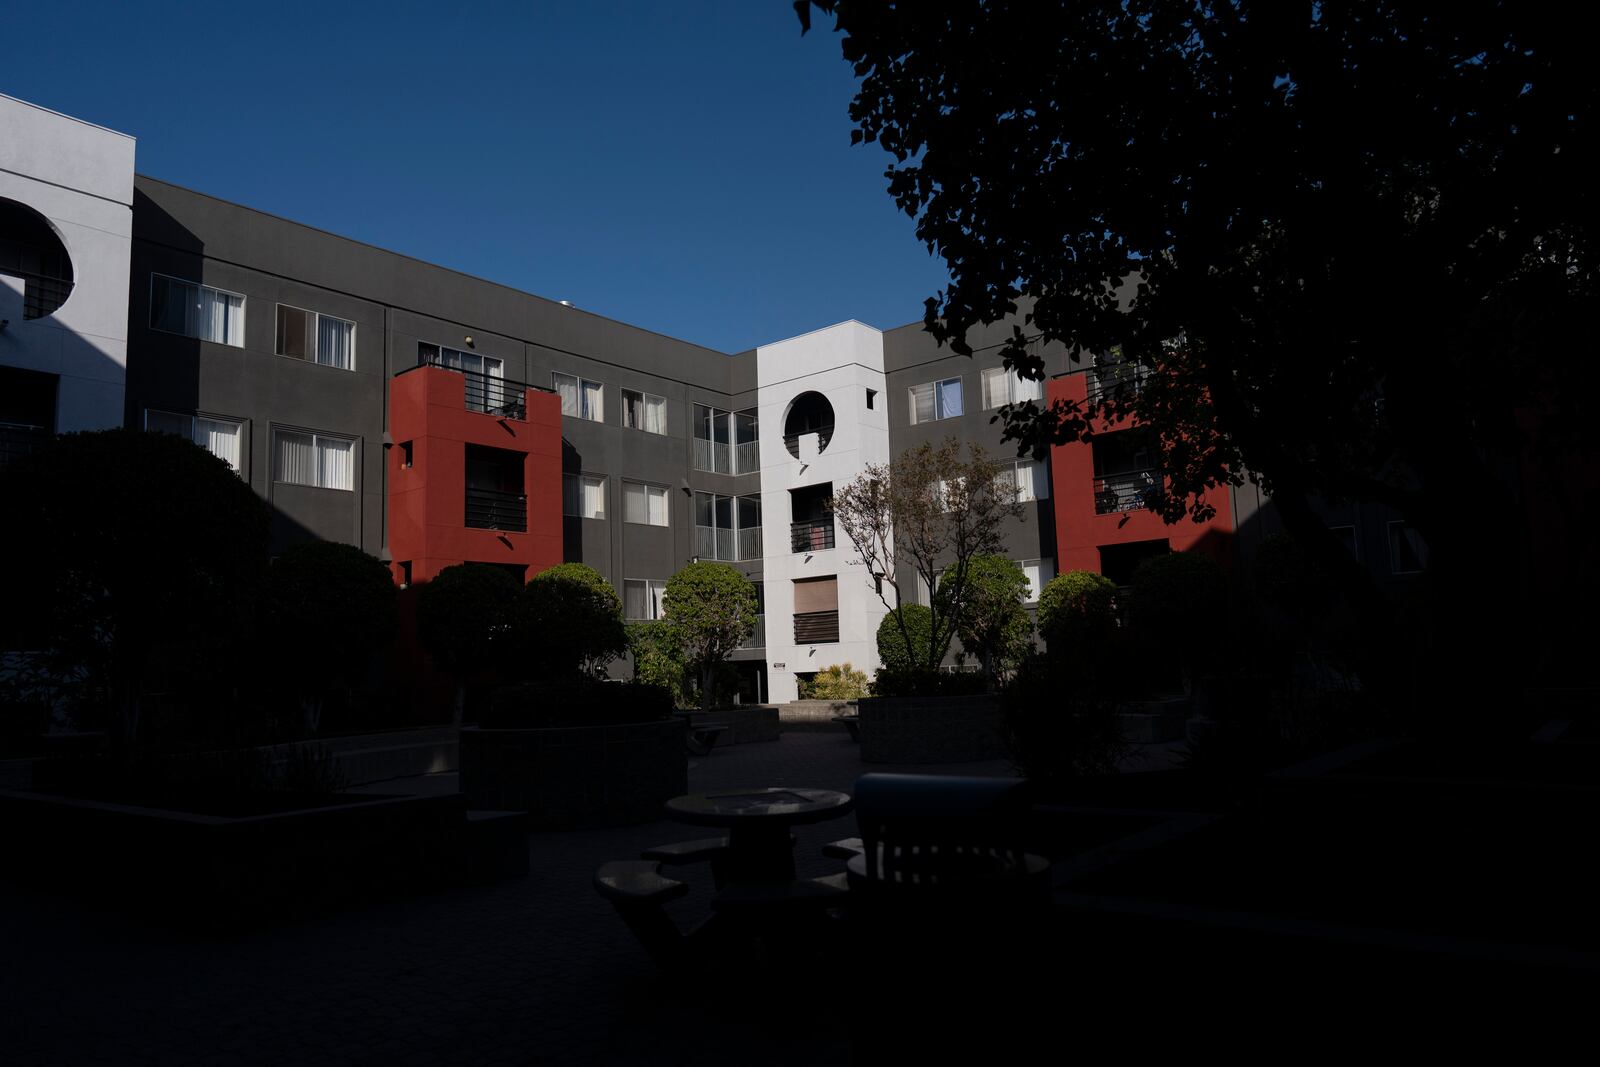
(746, 724)
(222, 871)
(815, 714)
(931, 729)
(578, 776)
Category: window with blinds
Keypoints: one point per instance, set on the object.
(1030, 477)
(644, 504)
(193, 310)
(223, 438)
(583, 496)
(1001, 386)
(314, 459)
(932, 401)
(641, 411)
(316, 338)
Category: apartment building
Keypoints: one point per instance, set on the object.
(433, 418)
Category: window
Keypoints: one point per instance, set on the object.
(1001, 386)
(486, 388)
(1039, 572)
(583, 496)
(936, 400)
(1030, 478)
(643, 599)
(746, 448)
(316, 338)
(314, 459)
(405, 455)
(580, 398)
(193, 310)
(1347, 538)
(641, 411)
(221, 437)
(644, 504)
(872, 398)
(1408, 552)
(713, 527)
(816, 610)
(713, 449)
(750, 527)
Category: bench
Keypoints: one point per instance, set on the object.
(638, 890)
(844, 848)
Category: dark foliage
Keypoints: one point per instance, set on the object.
(1059, 726)
(465, 619)
(892, 650)
(576, 702)
(923, 683)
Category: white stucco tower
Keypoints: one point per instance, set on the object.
(66, 201)
(824, 394)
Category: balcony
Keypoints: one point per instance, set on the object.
(490, 509)
(18, 441)
(489, 393)
(750, 543)
(816, 627)
(1128, 491)
(811, 535)
(758, 636)
(1117, 382)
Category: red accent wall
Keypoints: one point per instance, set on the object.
(1080, 533)
(427, 501)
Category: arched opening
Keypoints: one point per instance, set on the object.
(30, 249)
(809, 413)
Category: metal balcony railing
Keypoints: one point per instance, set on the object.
(490, 509)
(812, 535)
(750, 542)
(1129, 491)
(18, 441)
(41, 293)
(816, 627)
(1119, 382)
(758, 636)
(713, 456)
(747, 457)
(492, 395)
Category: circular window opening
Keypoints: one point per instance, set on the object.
(31, 250)
(810, 413)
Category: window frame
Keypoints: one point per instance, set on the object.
(579, 476)
(600, 401)
(643, 396)
(1013, 381)
(243, 305)
(1394, 556)
(1043, 581)
(666, 503)
(314, 336)
(649, 598)
(315, 435)
(193, 417)
(938, 414)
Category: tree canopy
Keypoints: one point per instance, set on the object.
(1352, 242)
(711, 609)
(993, 624)
(465, 618)
(569, 622)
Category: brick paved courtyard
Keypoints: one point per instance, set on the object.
(533, 970)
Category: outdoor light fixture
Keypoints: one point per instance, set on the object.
(468, 340)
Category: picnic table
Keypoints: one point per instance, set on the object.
(760, 845)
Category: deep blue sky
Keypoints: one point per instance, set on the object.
(685, 167)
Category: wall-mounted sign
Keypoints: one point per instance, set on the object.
(779, 666)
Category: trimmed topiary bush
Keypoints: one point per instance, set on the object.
(569, 623)
(465, 617)
(1077, 606)
(892, 650)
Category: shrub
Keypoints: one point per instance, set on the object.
(464, 618)
(1177, 598)
(1058, 726)
(575, 702)
(658, 659)
(839, 682)
(923, 683)
(892, 650)
(569, 622)
(341, 590)
(1078, 606)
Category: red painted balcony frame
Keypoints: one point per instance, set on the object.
(427, 499)
(1081, 533)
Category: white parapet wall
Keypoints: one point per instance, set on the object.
(79, 178)
(842, 363)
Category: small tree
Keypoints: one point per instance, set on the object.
(712, 608)
(993, 625)
(1176, 598)
(133, 551)
(464, 618)
(658, 658)
(838, 682)
(932, 510)
(569, 622)
(902, 634)
(342, 590)
(1077, 608)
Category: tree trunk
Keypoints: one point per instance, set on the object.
(459, 710)
(707, 673)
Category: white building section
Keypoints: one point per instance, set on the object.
(66, 201)
(824, 418)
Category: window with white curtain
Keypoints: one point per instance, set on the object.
(584, 496)
(223, 438)
(641, 411)
(932, 401)
(1030, 478)
(1001, 386)
(1039, 572)
(316, 338)
(194, 310)
(580, 398)
(644, 599)
(314, 459)
(644, 504)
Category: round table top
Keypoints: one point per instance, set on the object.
(755, 805)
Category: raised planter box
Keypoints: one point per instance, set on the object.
(962, 729)
(210, 870)
(576, 776)
(747, 723)
(815, 714)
